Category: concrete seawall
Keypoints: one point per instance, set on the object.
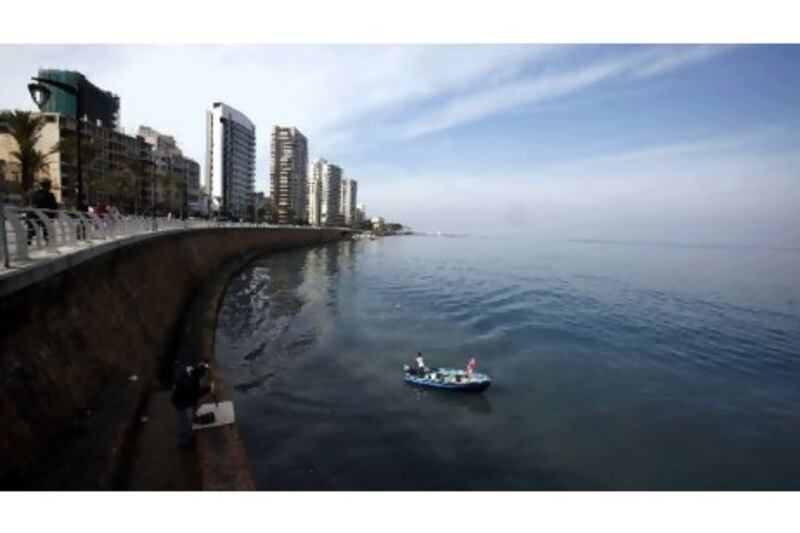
(75, 331)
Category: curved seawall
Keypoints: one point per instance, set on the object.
(83, 336)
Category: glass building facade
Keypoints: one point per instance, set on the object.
(230, 161)
(98, 106)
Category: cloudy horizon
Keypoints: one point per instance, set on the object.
(681, 143)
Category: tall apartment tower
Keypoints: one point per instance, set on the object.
(230, 161)
(315, 192)
(348, 202)
(330, 209)
(289, 174)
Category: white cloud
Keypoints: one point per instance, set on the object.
(664, 61)
(550, 85)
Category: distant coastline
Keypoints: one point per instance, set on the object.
(719, 246)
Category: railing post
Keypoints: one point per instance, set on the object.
(115, 224)
(32, 227)
(6, 257)
(45, 230)
(99, 227)
(108, 220)
(61, 232)
(20, 234)
(124, 224)
(82, 233)
(71, 233)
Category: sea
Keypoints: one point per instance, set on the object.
(616, 365)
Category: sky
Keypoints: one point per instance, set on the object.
(669, 143)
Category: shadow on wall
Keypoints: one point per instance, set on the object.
(71, 343)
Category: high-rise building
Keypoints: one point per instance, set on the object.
(315, 192)
(348, 202)
(230, 161)
(331, 195)
(325, 193)
(289, 174)
(99, 107)
(178, 189)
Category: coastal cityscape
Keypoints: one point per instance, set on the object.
(146, 173)
(381, 266)
(589, 280)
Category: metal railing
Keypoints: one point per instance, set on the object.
(31, 235)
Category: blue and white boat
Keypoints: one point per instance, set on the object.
(455, 379)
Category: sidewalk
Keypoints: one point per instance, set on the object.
(157, 462)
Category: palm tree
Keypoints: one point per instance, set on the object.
(26, 128)
(137, 170)
(169, 184)
(120, 188)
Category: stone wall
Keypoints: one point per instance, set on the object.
(69, 336)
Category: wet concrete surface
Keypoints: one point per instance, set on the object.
(157, 462)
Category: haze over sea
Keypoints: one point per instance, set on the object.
(616, 365)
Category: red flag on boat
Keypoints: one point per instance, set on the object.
(471, 366)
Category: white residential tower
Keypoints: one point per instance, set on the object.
(230, 161)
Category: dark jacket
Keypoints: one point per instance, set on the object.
(43, 199)
(188, 390)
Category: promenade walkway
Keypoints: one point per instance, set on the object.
(33, 236)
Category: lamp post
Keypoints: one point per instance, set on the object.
(153, 199)
(40, 92)
(3, 215)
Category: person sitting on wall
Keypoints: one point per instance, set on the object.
(186, 394)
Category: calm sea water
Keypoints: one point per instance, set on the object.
(615, 366)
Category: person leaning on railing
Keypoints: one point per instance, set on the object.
(42, 198)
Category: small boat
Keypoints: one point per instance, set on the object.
(449, 379)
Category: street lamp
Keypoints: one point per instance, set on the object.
(40, 93)
(3, 241)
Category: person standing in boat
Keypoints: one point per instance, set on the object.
(471, 367)
(421, 368)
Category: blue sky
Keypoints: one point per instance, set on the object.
(689, 143)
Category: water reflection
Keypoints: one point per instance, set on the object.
(469, 402)
(275, 310)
